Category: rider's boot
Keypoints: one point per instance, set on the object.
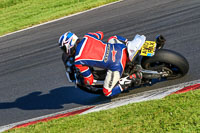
(136, 78)
(126, 82)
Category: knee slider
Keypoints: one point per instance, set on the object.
(107, 92)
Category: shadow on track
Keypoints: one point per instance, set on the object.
(55, 99)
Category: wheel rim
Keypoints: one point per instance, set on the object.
(170, 71)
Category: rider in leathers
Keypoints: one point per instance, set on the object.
(91, 51)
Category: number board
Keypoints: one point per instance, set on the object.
(148, 48)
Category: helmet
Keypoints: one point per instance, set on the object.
(67, 42)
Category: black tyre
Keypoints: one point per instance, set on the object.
(167, 60)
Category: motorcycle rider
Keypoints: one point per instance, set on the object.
(91, 51)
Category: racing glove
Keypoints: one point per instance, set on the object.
(69, 66)
(79, 79)
(68, 62)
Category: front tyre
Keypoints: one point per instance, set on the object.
(167, 61)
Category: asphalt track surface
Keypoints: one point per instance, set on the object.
(32, 78)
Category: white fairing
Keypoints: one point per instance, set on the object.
(135, 45)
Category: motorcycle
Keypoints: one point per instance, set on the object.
(154, 62)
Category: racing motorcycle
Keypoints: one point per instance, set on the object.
(155, 63)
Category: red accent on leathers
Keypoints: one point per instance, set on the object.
(89, 80)
(106, 92)
(82, 68)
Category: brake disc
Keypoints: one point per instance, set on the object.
(166, 72)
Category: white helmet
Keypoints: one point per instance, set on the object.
(67, 42)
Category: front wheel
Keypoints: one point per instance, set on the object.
(167, 61)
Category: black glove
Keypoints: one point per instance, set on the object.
(80, 79)
(160, 41)
(65, 57)
(68, 62)
(69, 65)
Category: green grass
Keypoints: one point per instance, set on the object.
(19, 14)
(179, 113)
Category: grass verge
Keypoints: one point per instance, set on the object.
(20, 14)
(175, 113)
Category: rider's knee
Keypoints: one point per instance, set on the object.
(107, 92)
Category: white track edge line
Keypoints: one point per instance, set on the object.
(61, 18)
(143, 96)
(9, 126)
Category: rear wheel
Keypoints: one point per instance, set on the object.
(171, 63)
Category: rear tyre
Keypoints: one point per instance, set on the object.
(171, 62)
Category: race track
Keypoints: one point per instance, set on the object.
(32, 78)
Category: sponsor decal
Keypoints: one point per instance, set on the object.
(107, 53)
